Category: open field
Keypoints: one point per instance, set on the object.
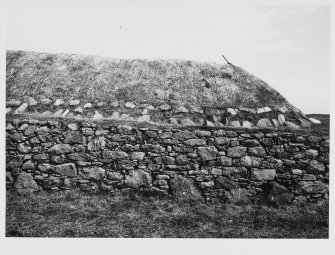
(101, 215)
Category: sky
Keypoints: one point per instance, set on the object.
(288, 46)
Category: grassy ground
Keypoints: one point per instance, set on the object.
(101, 215)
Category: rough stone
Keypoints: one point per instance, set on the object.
(74, 102)
(143, 118)
(65, 113)
(138, 178)
(87, 105)
(46, 101)
(257, 151)
(97, 115)
(130, 105)
(25, 183)
(31, 101)
(187, 122)
(262, 174)
(312, 153)
(234, 123)
(264, 123)
(291, 125)
(68, 169)
(246, 124)
(251, 161)
(115, 116)
(58, 102)
(313, 187)
(60, 149)
(137, 155)
(115, 155)
(165, 107)
(184, 189)
(223, 182)
(96, 143)
(315, 166)
(207, 153)
(315, 121)
(195, 142)
(236, 152)
(13, 103)
(225, 161)
(94, 173)
(21, 109)
(181, 109)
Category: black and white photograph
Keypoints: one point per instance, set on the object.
(167, 120)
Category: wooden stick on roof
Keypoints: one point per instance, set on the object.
(227, 60)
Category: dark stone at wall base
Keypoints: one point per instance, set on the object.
(25, 183)
(184, 189)
(225, 183)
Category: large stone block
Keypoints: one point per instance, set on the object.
(223, 182)
(138, 178)
(236, 152)
(262, 174)
(114, 154)
(251, 161)
(68, 169)
(207, 153)
(257, 151)
(184, 189)
(25, 183)
(94, 173)
(195, 142)
(60, 149)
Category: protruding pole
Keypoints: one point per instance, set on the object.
(226, 60)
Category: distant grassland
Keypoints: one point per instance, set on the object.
(76, 214)
(93, 78)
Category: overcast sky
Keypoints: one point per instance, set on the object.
(287, 46)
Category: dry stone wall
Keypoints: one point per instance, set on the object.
(213, 165)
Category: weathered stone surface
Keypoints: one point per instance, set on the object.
(221, 140)
(73, 137)
(291, 125)
(97, 115)
(281, 119)
(44, 167)
(137, 155)
(182, 160)
(234, 123)
(236, 152)
(195, 142)
(144, 118)
(13, 103)
(28, 165)
(184, 135)
(209, 123)
(46, 101)
(68, 169)
(262, 174)
(138, 178)
(207, 153)
(187, 122)
(114, 176)
(225, 161)
(156, 148)
(239, 195)
(246, 124)
(23, 148)
(21, 109)
(313, 187)
(312, 153)
(184, 189)
(114, 154)
(25, 183)
(223, 182)
(60, 149)
(58, 102)
(264, 123)
(96, 143)
(79, 156)
(257, 151)
(94, 173)
(125, 129)
(315, 166)
(251, 161)
(31, 101)
(165, 107)
(65, 113)
(315, 121)
(275, 123)
(181, 109)
(74, 102)
(87, 105)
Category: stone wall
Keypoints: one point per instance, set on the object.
(232, 166)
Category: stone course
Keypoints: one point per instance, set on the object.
(212, 165)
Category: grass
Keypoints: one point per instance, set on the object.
(77, 214)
